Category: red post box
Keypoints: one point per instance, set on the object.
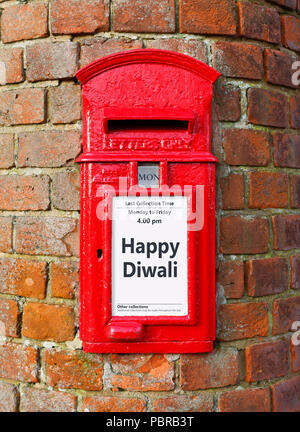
(147, 260)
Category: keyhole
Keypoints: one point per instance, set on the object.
(99, 253)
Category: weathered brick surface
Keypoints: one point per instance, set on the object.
(286, 150)
(48, 149)
(8, 397)
(22, 106)
(23, 277)
(214, 17)
(77, 16)
(202, 403)
(286, 232)
(295, 112)
(24, 21)
(66, 190)
(65, 369)
(65, 104)
(5, 234)
(92, 49)
(259, 22)
(9, 317)
(37, 400)
(286, 395)
(47, 61)
(113, 404)
(144, 17)
(64, 279)
(295, 356)
(295, 271)
(240, 235)
(142, 372)
(217, 369)
(242, 320)
(18, 362)
(46, 236)
(233, 192)
(11, 66)
(267, 276)
(246, 400)
(278, 67)
(6, 150)
(267, 107)
(295, 191)
(234, 59)
(231, 276)
(192, 47)
(289, 4)
(246, 147)
(48, 322)
(268, 190)
(290, 32)
(227, 99)
(285, 312)
(267, 360)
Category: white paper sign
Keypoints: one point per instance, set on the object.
(149, 256)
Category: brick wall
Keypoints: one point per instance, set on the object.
(256, 121)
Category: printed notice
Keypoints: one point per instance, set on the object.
(149, 256)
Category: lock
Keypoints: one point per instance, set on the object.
(148, 198)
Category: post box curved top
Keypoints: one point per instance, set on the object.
(146, 104)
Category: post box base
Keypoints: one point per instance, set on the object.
(174, 347)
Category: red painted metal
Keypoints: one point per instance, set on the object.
(146, 85)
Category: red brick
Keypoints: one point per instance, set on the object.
(219, 368)
(240, 235)
(79, 16)
(7, 150)
(24, 192)
(5, 234)
(24, 21)
(73, 370)
(289, 4)
(267, 276)
(66, 190)
(266, 107)
(37, 400)
(92, 49)
(113, 404)
(242, 320)
(246, 147)
(286, 232)
(286, 395)
(64, 279)
(8, 397)
(233, 192)
(18, 362)
(213, 17)
(65, 104)
(285, 312)
(295, 356)
(23, 277)
(245, 400)
(184, 403)
(11, 65)
(231, 277)
(22, 106)
(295, 272)
(142, 372)
(295, 191)
(9, 314)
(45, 236)
(191, 47)
(295, 112)
(227, 100)
(290, 32)
(267, 360)
(278, 66)
(48, 149)
(46, 61)
(268, 190)
(144, 17)
(259, 22)
(48, 322)
(286, 150)
(233, 59)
